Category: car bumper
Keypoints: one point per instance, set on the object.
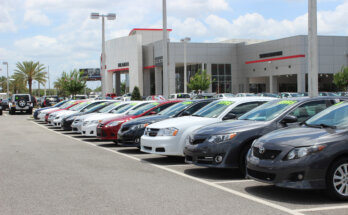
(211, 155)
(66, 125)
(106, 133)
(303, 173)
(130, 137)
(162, 145)
(89, 130)
(57, 123)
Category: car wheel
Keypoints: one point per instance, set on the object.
(30, 111)
(337, 180)
(0, 112)
(115, 141)
(11, 112)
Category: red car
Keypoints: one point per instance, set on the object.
(67, 108)
(108, 129)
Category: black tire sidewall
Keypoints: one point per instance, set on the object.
(330, 189)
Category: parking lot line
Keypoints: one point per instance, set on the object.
(322, 208)
(232, 181)
(211, 184)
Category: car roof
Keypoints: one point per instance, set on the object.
(246, 99)
(305, 98)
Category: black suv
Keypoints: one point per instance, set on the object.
(21, 102)
(48, 101)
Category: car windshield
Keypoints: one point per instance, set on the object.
(109, 107)
(60, 104)
(89, 106)
(183, 96)
(175, 109)
(80, 106)
(96, 108)
(213, 110)
(335, 116)
(125, 108)
(68, 104)
(268, 111)
(22, 97)
(140, 110)
(295, 95)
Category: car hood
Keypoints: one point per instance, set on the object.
(118, 118)
(184, 122)
(65, 112)
(226, 127)
(146, 119)
(301, 136)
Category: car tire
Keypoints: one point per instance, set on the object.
(242, 159)
(116, 143)
(30, 111)
(11, 111)
(337, 179)
(0, 112)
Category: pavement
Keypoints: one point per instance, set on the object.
(44, 170)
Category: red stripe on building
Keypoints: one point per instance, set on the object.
(118, 70)
(150, 67)
(275, 59)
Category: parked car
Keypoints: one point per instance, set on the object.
(69, 119)
(313, 156)
(0, 108)
(327, 94)
(176, 96)
(130, 132)
(108, 129)
(43, 115)
(245, 94)
(113, 107)
(51, 116)
(37, 111)
(21, 102)
(225, 145)
(4, 104)
(223, 95)
(112, 95)
(342, 93)
(205, 96)
(289, 95)
(155, 98)
(47, 101)
(168, 137)
(268, 95)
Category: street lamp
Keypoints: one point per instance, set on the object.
(270, 77)
(109, 16)
(8, 90)
(185, 41)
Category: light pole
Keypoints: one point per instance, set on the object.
(109, 16)
(313, 65)
(165, 73)
(270, 77)
(8, 89)
(185, 41)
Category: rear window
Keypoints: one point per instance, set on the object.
(22, 97)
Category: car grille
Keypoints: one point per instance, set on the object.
(266, 155)
(261, 175)
(197, 141)
(152, 132)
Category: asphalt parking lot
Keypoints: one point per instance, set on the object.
(44, 170)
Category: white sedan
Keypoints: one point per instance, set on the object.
(168, 137)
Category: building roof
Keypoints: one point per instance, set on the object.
(134, 30)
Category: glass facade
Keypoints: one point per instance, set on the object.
(179, 75)
(221, 78)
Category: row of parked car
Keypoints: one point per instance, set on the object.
(297, 142)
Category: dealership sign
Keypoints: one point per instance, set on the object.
(92, 74)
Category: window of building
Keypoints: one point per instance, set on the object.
(221, 78)
(191, 71)
(271, 54)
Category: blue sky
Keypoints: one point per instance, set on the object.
(60, 34)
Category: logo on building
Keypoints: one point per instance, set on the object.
(158, 61)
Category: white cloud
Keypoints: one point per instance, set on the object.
(189, 27)
(36, 17)
(6, 21)
(196, 8)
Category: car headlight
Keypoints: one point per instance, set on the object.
(217, 139)
(114, 123)
(300, 152)
(168, 132)
(58, 117)
(140, 126)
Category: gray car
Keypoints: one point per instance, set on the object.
(313, 156)
(225, 144)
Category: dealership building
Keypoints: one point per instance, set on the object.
(234, 66)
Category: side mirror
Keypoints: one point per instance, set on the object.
(185, 113)
(289, 119)
(230, 116)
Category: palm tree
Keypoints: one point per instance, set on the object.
(17, 84)
(40, 77)
(59, 85)
(28, 70)
(3, 83)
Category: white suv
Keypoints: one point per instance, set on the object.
(21, 102)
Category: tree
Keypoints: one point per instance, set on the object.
(200, 81)
(3, 83)
(59, 85)
(29, 70)
(123, 88)
(136, 94)
(74, 82)
(17, 85)
(98, 89)
(40, 77)
(340, 79)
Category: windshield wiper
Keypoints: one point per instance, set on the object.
(312, 125)
(197, 115)
(327, 126)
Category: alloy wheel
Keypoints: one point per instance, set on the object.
(340, 179)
